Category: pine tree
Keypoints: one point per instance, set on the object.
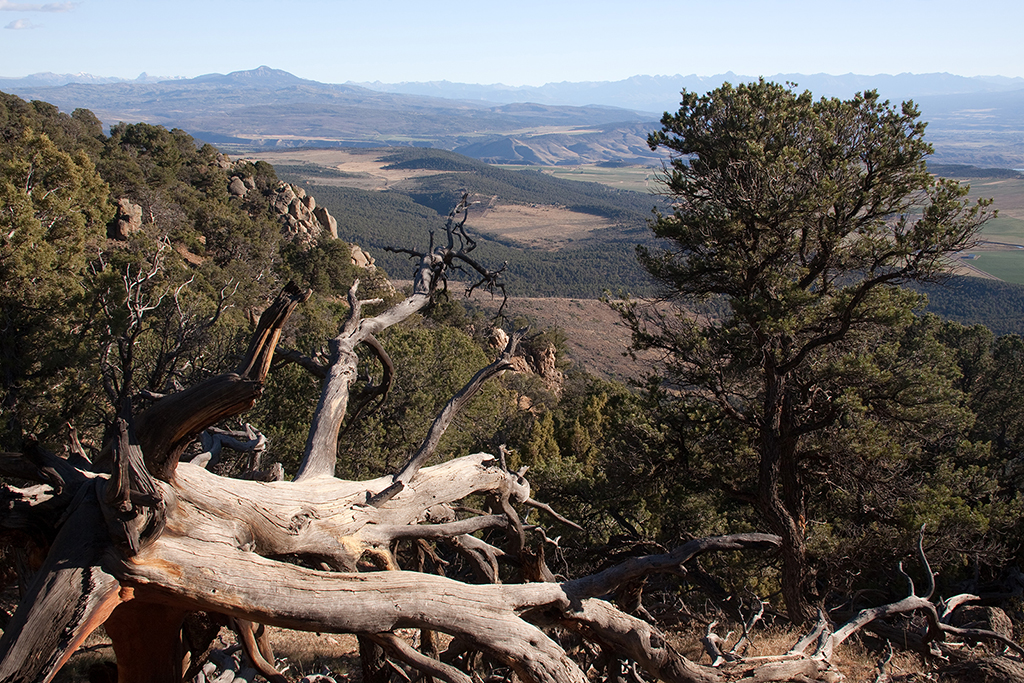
(798, 220)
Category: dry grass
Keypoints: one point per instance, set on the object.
(301, 653)
(854, 660)
(307, 653)
(537, 226)
(364, 167)
(596, 337)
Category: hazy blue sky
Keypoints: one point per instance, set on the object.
(520, 42)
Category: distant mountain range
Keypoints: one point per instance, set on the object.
(975, 120)
(47, 79)
(653, 94)
(661, 93)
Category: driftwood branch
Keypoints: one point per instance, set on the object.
(313, 367)
(937, 628)
(215, 440)
(608, 580)
(321, 451)
(246, 631)
(551, 511)
(402, 650)
(133, 505)
(69, 596)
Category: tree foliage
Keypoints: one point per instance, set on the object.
(55, 210)
(807, 395)
(802, 217)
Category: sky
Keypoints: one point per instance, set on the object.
(525, 42)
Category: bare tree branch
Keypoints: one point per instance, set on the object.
(408, 654)
(456, 404)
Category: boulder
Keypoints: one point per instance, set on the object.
(519, 364)
(987, 670)
(283, 198)
(498, 338)
(978, 616)
(237, 187)
(127, 219)
(361, 258)
(327, 221)
(543, 363)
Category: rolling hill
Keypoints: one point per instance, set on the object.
(575, 240)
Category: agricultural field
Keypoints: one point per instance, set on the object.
(544, 226)
(1000, 253)
(537, 226)
(361, 169)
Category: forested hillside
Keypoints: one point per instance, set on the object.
(404, 214)
(135, 266)
(604, 261)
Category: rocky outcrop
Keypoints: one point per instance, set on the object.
(326, 220)
(498, 338)
(362, 258)
(540, 361)
(127, 219)
(237, 188)
(302, 219)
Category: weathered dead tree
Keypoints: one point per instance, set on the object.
(142, 542)
(811, 657)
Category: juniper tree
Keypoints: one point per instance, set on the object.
(799, 219)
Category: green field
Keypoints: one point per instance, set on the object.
(1008, 230)
(1005, 265)
(1007, 193)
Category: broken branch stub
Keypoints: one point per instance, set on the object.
(167, 427)
(132, 504)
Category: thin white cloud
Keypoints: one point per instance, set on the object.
(21, 25)
(8, 6)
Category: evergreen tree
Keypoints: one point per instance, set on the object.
(55, 210)
(800, 218)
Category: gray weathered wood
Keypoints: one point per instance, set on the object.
(70, 596)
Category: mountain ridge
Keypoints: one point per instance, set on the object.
(270, 108)
(661, 92)
(839, 85)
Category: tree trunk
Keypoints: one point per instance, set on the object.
(780, 495)
(147, 641)
(141, 547)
